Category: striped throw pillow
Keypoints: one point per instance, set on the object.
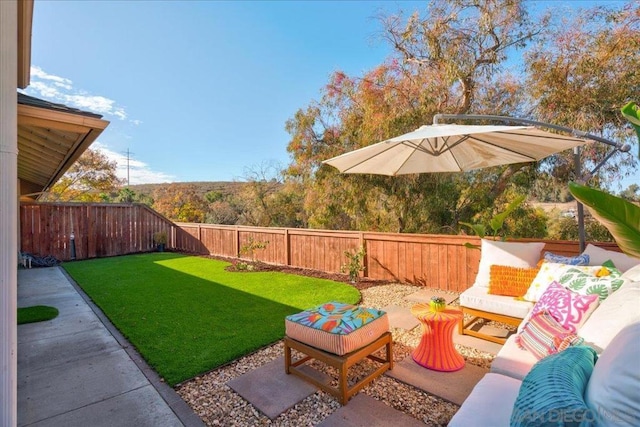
(543, 335)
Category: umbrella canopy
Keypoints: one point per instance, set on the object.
(453, 148)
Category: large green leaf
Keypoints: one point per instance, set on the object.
(477, 228)
(622, 218)
(631, 112)
(498, 220)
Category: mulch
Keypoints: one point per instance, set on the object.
(362, 283)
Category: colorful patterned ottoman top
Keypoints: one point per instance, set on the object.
(336, 327)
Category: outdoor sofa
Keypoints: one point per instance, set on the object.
(592, 378)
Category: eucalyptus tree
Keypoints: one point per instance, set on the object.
(448, 59)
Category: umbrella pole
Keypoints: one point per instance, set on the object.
(578, 172)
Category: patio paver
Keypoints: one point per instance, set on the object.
(271, 390)
(451, 386)
(400, 317)
(424, 295)
(365, 411)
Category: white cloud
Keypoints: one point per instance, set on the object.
(136, 122)
(41, 74)
(98, 104)
(60, 89)
(139, 172)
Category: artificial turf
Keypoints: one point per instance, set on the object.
(187, 315)
(36, 313)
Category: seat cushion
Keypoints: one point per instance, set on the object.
(598, 256)
(489, 404)
(612, 315)
(614, 388)
(337, 328)
(513, 361)
(479, 298)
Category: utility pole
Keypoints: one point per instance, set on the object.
(129, 153)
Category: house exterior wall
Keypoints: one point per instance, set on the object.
(8, 210)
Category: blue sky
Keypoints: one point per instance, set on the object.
(201, 91)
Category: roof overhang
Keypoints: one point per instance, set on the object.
(50, 141)
(25, 20)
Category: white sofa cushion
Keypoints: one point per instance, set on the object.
(489, 404)
(597, 256)
(632, 274)
(512, 254)
(613, 391)
(480, 299)
(513, 361)
(617, 311)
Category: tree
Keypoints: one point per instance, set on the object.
(180, 202)
(127, 195)
(632, 193)
(452, 59)
(90, 179)
(446, 62)
(581, 74)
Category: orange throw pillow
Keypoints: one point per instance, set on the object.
(510, 281)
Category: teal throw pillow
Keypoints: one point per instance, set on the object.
(552, 392)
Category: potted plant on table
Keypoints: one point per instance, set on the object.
(437, 304)
(160, 240)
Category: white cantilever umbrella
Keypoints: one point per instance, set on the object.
(453, 148)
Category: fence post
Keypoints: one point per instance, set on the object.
(236, 242)
(287, 250)
(365, 259)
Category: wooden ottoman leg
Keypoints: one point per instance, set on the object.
(287, 357)
(343, 383)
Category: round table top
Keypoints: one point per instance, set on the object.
(423, 312)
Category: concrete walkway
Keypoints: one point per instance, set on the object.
(78, 370)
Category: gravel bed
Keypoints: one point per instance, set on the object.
(219, 405)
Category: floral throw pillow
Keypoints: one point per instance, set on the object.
(568, 308)
(606, 281)
(551, 271)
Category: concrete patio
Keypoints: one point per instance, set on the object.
(78, 370)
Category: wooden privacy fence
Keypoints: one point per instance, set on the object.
(439, 261)
(100, 230)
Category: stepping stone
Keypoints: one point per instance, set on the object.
(424, 295)
(365, 411)
(271, 390)
(479, 343)
(400, 317)
(451, 386)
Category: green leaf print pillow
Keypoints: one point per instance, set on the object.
(604, 283)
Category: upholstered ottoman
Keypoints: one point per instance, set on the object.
(339, 335)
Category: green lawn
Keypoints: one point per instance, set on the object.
(187, 315)
(36, 313)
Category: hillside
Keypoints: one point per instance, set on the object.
(201, 188)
